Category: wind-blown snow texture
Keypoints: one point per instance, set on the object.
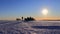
(20, 27)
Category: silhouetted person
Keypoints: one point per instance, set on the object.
(22, 18)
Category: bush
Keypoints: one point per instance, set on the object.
(18, 19)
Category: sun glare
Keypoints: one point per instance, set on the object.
(44, 11)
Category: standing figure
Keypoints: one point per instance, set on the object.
(22, 18)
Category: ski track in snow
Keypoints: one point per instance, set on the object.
(19, 27)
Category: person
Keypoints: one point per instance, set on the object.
(22, 18)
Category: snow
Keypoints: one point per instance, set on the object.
(20, 27)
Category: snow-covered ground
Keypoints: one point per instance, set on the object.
(20, 27)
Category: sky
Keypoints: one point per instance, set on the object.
(11, 9)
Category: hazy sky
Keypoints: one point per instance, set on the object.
(16, 8)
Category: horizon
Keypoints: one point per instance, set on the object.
(36, 18)
(12, 9)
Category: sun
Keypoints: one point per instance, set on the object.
(44, 11)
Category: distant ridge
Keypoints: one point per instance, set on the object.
(51, 20)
